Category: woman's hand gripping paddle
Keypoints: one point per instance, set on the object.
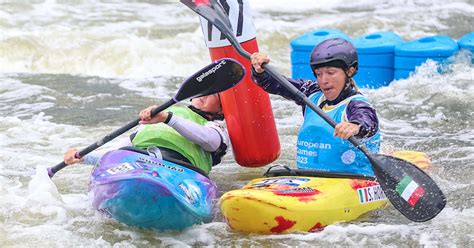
(408, 188)
(214, 78)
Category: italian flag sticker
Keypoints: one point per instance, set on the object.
(410, 190)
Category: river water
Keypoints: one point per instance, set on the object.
(71, 72)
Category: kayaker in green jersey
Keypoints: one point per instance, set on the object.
(193, 134)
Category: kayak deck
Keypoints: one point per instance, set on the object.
(286, 204)
(289, 204)
(147, 192)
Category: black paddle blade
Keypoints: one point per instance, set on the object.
(409, 189)
(214, 78)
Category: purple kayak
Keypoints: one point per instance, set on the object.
(144, 191)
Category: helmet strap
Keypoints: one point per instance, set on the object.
(207, 115)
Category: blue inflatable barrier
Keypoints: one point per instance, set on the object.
(302, 46)
(376, 56)
(467, 42)
(383, 56)
(414, 53)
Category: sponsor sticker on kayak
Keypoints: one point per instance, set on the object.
(409, 190)
(120, 168)
(298, 192)
(371, 194)
(286, 181)
(152, 162)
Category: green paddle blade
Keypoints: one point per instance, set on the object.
(409, 189)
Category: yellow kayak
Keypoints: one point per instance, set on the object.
(288, 204)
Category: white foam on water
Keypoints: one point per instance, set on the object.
(113, 56)
(147, 87)
(20, 99)
(362, 234)
(38, 212)
(426, 97)
(41, 183)
(301, 6)
(40, 133)
(37, 209)
(102, 40)
(13, 90)
(197, 235)
(137, 39)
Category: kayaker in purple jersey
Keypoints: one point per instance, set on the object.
(194, 134)
(334, 62)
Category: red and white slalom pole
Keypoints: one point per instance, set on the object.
(247, 108)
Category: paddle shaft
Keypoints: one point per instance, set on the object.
(109, 137)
